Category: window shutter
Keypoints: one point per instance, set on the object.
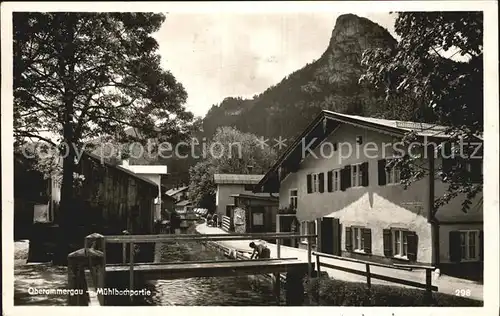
(321, 180)
(337, 236)
(387, 242)
(348, 239)
(412, 240)
(382, 180)
(455, 250)
(481, 245)
(345, 178)
(364, 174)
(329, 180)
(309, 183)
(367, 236)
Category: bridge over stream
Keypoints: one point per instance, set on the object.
(88, 270)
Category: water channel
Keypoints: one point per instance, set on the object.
(221, 291)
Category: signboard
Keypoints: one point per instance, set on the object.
(258, 219)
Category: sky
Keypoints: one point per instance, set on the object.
(218, 55)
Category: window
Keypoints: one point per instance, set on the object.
(307, 227)
(293, 198)
(356, 176)
(469, 245)
(400, 243)
(249, 187)
(315, 182)
(358, 241)
(393, 175)
(335, 180)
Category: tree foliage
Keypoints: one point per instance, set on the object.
(78, 76)
(438, 63)
(229, 151)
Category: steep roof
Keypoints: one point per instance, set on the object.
(327, 121)
(174, 191)
(225, 178)
(183, 203)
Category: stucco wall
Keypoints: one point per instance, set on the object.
(376, 207)
(223, 195)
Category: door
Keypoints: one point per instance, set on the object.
(330, 236)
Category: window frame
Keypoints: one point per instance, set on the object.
(390, 175)
(295, 197)
(358, 238)
(402, 233)
(356, 180)
(315, 182)
(304, 225)
(477, 245)
(336, 182)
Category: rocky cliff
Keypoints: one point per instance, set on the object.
(331, 82)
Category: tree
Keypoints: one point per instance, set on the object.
(438, 63)
(229, 151)
(78, 76)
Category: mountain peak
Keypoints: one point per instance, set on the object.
(368, 33)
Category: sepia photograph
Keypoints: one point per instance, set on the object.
(175, 155)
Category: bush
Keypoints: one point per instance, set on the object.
(329, 292)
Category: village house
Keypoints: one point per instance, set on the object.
(109, 200)
(230, 184)
(179, 193)
(251, 213)
(356, 204)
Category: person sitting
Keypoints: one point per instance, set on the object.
(260, 251)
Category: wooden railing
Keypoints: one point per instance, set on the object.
(427, 286)
(95, 249)
(226, 223)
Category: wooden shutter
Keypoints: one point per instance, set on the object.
(387, 242)
(382, 179)
(367, 239)
(481, 245)
(412, 240)
(348, 239)
(321, 180)
(309, 183)
(337, 236)
(345, 178)
(364, 174)
(455, 249)
(329, 180)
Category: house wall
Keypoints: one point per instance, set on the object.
(223, 196)
(376, 207)
(115, 199)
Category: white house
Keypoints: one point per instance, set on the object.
(355, 201)
(230, 184)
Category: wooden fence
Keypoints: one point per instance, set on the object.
(427, 286)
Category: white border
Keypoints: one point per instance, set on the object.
(491, 210)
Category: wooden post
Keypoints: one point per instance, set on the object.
(428, 286)
(124, 252)
(277, 287)
(368, 276)
(278, 241)
(318, 266)
(131, 277)
(309, 254)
